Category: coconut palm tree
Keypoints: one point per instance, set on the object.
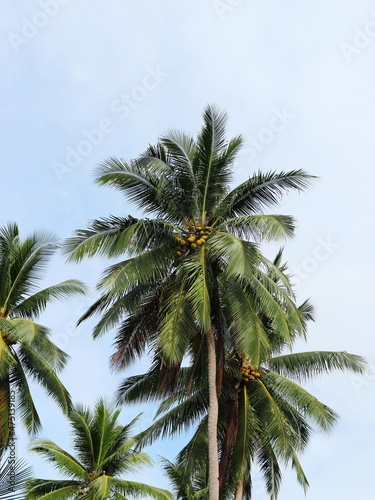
(25, 347)
(195, 261)
(14, 473)
(104, 453)
(265, 415)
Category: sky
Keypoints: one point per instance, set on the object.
(83, 80)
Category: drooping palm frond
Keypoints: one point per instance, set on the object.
(22, 262)
(60, 458)
(43, 489)
(35, 365)
(26, 407)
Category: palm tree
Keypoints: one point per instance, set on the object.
(25, 346)
(104, 452)
(195, 262)
(14, 474)
(266, 416)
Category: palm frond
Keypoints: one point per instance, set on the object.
(106, 236)
(213, 175)
(260, 191)
(143, 269)
(320, 414)
(26, 407)
(35, 304)
(28, 260)
(248, 334)
(259, 227)
(301, 477)
(177, 321)
(148, 181)
(198, 289)
(61, 459)
(303, 366)
(6, 356)
(270, 469)
(34, 363)
(27, 332)
(124, 487)
(14, 474)
(44, 489)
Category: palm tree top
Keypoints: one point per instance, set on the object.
(180, 176)
(185, 183)
(104, 452)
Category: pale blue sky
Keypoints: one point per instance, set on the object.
(84, 79)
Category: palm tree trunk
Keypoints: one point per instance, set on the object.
(229, 439)
(239, 491)
(213, 459)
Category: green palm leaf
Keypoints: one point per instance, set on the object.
(259, 191)
(65, 462)
(14, 473)
(41, 370)
(41, 489)
(259, 227)
(305, 365)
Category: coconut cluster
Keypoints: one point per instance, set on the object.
(82, 492)
(195, 237)
(249, 372)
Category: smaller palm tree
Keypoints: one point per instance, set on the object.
(104, 452)
(26, 349)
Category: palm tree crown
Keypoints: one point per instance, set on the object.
(104, 453)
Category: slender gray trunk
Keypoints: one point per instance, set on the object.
(213, 458)
(239, 491)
